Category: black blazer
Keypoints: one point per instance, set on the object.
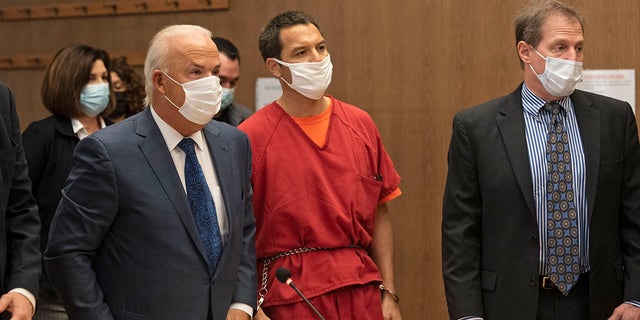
(19, 224)
(490, 246)
(234, 114)
(49, 145)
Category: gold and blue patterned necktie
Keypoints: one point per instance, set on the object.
(563, 250)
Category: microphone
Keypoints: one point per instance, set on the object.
(284, 275)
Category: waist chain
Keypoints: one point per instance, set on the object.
(262, 293)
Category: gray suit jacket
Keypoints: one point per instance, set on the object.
(490, 240)
(123, 243)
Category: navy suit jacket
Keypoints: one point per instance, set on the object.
(490, 237)
(124, 244)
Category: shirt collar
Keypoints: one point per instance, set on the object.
(173, 137)
(533, 104)
(77, 126)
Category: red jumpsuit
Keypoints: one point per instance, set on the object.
(306, 196)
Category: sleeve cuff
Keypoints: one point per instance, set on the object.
(633, 303)
(243, 307)
(28, 295)
(394, 194)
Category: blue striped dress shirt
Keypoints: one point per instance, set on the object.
(537, 124)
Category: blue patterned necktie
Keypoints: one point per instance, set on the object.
(563, 251)
(201, 202)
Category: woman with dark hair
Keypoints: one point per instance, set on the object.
(76, 90)
(128, 89)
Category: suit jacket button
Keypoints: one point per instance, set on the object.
(534, 240)
(532, 281)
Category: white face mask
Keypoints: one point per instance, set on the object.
(201, 99)
(560, 76)
(310, 79)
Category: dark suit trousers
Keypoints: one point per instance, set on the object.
(553, 305)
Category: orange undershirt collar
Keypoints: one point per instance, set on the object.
(316, 127)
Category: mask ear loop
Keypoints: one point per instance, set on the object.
(171, 102)
(165, 96)
(285, 81)
(284, 64)
(172, 79)
(541, 56)
(534, 71)
(536, 51)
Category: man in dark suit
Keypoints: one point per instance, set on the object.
(19, 222)
(231, 111)
(156, 219)
(541, 214)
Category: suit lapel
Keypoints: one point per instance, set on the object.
(154, 149)
(512, 129)
(589, 125)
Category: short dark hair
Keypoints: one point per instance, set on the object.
(227, 47)
(66, 76)
(269, 40)
(528, 22)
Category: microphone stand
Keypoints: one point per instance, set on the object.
(290, 283)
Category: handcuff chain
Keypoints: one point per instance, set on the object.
(262, 293)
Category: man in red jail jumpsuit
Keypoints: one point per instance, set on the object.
(321, 179)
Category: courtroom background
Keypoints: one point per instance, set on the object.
(410, 63)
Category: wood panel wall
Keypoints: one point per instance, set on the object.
(411, 64)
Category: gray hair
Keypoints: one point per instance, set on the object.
(157, 54)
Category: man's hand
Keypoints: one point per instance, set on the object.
(19, 306)
(390, 309)
(235, 314)
(260, 315)
(625, 311)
